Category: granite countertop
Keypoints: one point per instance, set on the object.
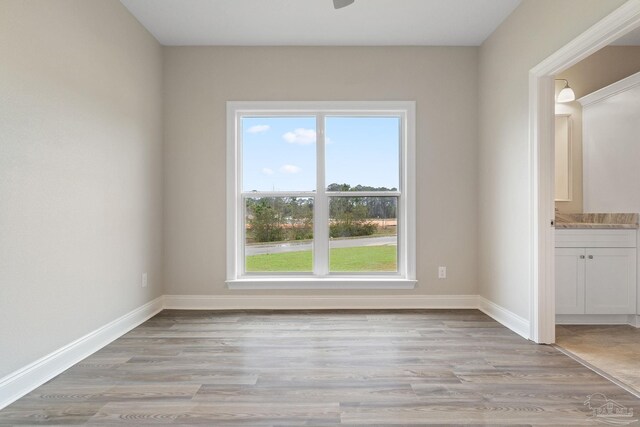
(597, 220)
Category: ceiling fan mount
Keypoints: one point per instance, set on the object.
(339, 4)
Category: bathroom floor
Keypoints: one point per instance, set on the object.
(614, 349)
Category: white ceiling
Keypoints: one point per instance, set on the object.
(630, 39)
(316, 22)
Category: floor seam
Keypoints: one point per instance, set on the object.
(598, 371)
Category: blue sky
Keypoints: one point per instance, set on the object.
(279, 153)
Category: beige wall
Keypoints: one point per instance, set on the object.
(200, 80)
(606, 66)
(80, 171)
(535, 30)
(599, 70)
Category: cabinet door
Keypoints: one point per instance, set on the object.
(570, 270)
(611, 281)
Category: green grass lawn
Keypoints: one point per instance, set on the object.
(363, 258)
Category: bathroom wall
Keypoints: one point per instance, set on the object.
(611, 151)
(604, 67)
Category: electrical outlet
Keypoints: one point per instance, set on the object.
(442, 272)
(144, 280)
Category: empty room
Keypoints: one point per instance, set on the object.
(319, 212)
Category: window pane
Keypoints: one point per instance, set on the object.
(279, 234)
(362, 152)
(278, 153)
(363, 234)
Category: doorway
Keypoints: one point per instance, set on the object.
(541, 144)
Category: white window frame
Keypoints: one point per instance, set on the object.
(404, 278)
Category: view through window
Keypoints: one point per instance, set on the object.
(320, 192)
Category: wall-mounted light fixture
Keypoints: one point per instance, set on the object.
(566, 94)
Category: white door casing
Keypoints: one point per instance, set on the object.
(541, 139)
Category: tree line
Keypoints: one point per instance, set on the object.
(272, 219)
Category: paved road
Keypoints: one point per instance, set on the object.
(306, 246)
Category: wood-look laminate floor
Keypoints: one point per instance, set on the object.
(320, 368)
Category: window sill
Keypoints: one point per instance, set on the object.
(314, 283)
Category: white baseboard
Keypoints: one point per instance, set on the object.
(293, 302)
(598, 319)
(22, 381)
(506, 317)
(314, 302)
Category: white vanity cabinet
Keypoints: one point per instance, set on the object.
(570, 285)
(595, 271)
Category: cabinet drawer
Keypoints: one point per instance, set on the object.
(586, 238)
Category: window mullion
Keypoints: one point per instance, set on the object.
(321, 206)
(363, 193)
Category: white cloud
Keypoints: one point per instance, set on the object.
(289, 169)
(258, 128)
(267, 171)
(300, 136)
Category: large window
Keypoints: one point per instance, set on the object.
(321, 194)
